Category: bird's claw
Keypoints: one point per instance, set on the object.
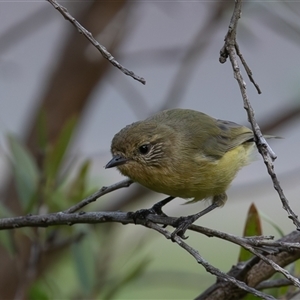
(182, 224)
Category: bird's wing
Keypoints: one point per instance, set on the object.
(227, 136)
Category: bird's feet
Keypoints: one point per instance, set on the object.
(182, 224)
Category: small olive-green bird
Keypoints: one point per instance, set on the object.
(183, 153)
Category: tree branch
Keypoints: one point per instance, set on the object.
(230, 49)
(253, 272)
(94, 42)
(65, 218)
(104, 190)
(208, 267)
(268, 284)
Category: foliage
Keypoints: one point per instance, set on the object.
(53, 186)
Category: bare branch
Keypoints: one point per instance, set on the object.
(230, 49)
(249, 72)
(268, 284)
(103, 191)
(64, 218)
(208, 267)
(187, 65)
(275, 266)
(94, 42)
(253, 272)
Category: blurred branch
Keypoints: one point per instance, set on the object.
(268, 284)
(30, 272)
(286, 115)
(136, 101)
(90, 37)
(21, 30)
(283, 21)
(230, 49)
(197, 47)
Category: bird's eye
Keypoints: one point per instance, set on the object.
(144, 149)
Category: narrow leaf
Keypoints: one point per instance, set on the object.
(42, 130)
(25, 172)
(252, 228)
(272, 223)
(6, 241)
(78, 187)
(84, 263)
(131, 275)
(55, 156)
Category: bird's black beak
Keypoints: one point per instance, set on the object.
(117, 160)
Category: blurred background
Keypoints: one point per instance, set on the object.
(61, 103)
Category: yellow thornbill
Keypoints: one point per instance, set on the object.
(183, 153)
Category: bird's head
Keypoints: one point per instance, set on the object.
(140, 148)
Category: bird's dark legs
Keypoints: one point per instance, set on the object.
(183, 223)
(155, 209)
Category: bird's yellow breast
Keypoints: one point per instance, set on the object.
(197, 178)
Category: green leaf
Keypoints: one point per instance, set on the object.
(5, 212)
(252, 228)
(55, 156)
(42, 130)
(84, 263)
(25, 172)
(251, 297)
(6, 242)
(271, 222)
(135, 271)
(297, 268)
(36, 292)
(77, 188)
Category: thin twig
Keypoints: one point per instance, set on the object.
(275, 266)
(94, 42)
(104, 190)
(229, 49)
(248, 70)
(268, 284)
(256, 242)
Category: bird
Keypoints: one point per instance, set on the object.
(183, 153)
